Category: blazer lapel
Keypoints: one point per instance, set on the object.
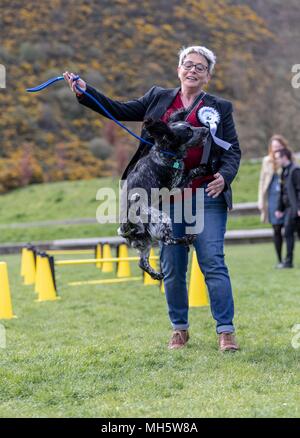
(163, 103)
(167, 98)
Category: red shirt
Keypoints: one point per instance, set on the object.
(194, 154)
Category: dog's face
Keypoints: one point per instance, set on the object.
(176, 136)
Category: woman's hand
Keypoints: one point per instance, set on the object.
(69, 78)
(216, 187)
(279, 214)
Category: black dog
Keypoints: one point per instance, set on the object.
(162, 167)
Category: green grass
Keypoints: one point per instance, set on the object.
(245, 223)
(101, 351)
(52, 201)
(245, 184)
(77, 199)
(57, 232)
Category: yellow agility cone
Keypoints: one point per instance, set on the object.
(162, 286)
(5, 298)
(147, 278)
(107, 266)
(38, 273)
(123, 266)
(29, 267)
(47, 289)
(24, 255)
(98, 255)
(197, 286)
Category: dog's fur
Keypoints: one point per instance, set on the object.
(155, 170)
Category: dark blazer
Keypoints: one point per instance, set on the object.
(154, 104)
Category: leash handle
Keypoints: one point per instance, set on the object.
(110, 116)
(45, 84)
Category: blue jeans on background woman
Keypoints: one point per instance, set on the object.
(209, 246)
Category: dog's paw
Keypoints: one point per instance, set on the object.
(191, 237)
(124, 230)
(157, 275)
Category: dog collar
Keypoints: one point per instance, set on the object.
(176, 164)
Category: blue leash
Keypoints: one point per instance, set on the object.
(110, 116)
(46, 84)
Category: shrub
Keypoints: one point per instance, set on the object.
(32, 52)
(100, 148)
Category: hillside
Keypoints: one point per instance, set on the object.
(120, 47)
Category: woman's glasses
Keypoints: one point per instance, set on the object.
(200, 68)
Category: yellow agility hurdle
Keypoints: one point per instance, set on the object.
(105, 281)
(93, 261)
(70, 251)
(42, 273)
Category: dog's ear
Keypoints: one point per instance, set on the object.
(159, 130)
(177, 116)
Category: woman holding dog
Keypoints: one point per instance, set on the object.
(194, 71)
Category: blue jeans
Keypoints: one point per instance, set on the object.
(209, 246)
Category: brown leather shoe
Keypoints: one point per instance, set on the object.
(179, 339)
(227, 342)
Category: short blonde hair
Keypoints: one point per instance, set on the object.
(200, 50)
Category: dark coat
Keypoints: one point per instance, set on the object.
(290, 190)
(154, 104)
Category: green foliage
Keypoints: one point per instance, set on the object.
(120, 47)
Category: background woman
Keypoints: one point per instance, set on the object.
(269, 190)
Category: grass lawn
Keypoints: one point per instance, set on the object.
(52, 201)
(245, 184)
(77, 199)
(100, 351)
